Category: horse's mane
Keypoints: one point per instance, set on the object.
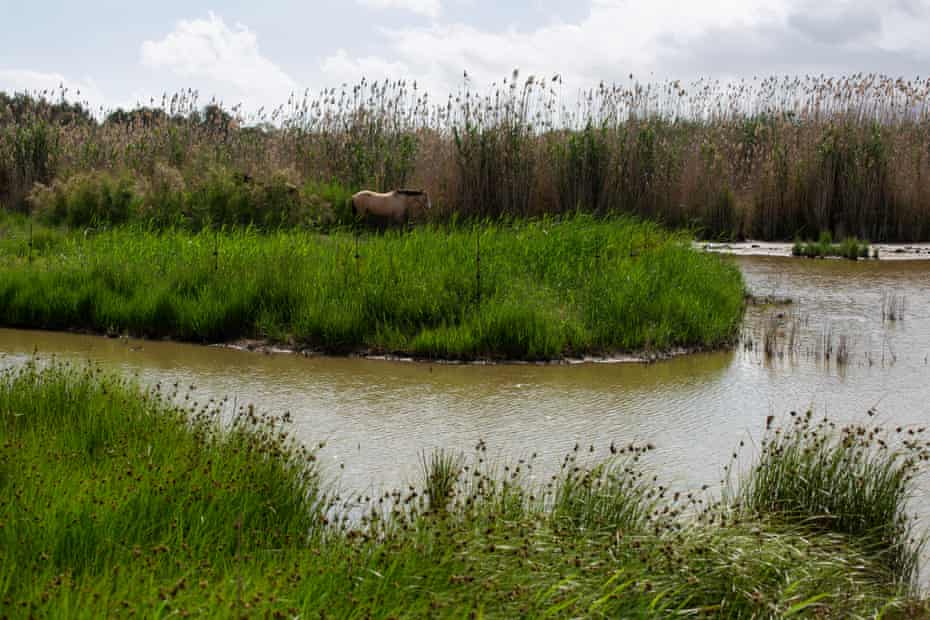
(410, 192)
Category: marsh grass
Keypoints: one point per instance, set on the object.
(98, 473)
(611, 495)
(893, 307)
(850, 248)
(853, 481)
(120, 501)
(770, 158)
(441, 471)
(544, 289)
(778, 335)
(220, 198)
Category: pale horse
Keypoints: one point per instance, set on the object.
(397, 206)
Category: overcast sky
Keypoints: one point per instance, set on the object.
(256, 52)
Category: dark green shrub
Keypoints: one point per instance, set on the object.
(87, 200)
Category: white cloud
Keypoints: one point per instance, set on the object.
(429, 8)
(617, 37)
(342, 69)
(605, 41)
(207, 49)
(833, 37)
(53, 86)
(668, 38)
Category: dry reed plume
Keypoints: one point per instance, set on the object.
(769, 158)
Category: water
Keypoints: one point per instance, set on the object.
(377, 416)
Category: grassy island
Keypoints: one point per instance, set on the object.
(539, 289)
(850, 248)
(116, 501)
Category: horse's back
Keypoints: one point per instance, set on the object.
(367, 202)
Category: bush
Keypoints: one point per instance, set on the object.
(87, 200)
(166, 200)
(220, 198)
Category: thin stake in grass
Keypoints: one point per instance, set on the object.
(478, 267)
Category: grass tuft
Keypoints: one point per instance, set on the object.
(852, 481)
(441, 471)
(850, 248)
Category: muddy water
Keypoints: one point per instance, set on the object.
(376, 416)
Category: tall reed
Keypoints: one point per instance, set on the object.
(772, 158)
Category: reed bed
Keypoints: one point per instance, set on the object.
(537, 290)
(773, 158)
(118, 501)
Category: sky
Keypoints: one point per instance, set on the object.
(257, 52)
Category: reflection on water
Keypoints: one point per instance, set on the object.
(377, 416)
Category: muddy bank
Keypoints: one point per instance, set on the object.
(268, 347)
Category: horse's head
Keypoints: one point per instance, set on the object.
(416, 198)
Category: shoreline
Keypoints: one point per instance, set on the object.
(782, 249)
(267, 347)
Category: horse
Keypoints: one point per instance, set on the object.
(394, 207)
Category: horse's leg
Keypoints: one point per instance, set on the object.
(400, 219)
(358, 215)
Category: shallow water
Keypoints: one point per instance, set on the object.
(377, 416)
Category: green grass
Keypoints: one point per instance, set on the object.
(546, 289)
(850, 248)
(853, 481)
(116, 502)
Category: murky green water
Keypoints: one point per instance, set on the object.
(377, 416)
